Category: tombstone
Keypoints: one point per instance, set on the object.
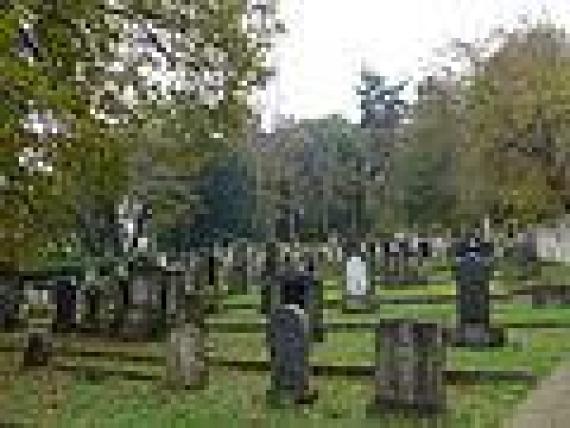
(144, 310)
(186, 361)
(239, 277)
(66, 304)
(9, 305)
(550, 295)
(288, 341)
(38, 315)
(410, 359)
(301, 287)
(357, 289)
(271, 263)
(473, 299)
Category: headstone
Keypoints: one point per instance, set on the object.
(9, 292)
(269, 280)
(38, 315)
(66, 302)
(289, 349)
(145, 312)
(239, 280)
(550, 295)
(302, 288)
(410, 358)
(473, 298)
(186, 362)
(357, 283)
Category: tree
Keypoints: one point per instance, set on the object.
(515, 140)
(89, 71)
(424, 179)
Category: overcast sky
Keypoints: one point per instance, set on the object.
(320, 58)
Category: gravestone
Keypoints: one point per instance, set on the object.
(66, 303)
(288, 341)
(145, 311)
(186, 361)
(410, 358)
(550, 295)
(301, 287)
(38, 315)
(239, 280)
(473, 273)
(9, 293)
(270, 272)
(357, 287)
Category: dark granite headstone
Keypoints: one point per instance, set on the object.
(66, 303)
(303, 289)
(289, 349)
(473, 272)
(410, 358)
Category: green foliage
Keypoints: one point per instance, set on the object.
(55, 58)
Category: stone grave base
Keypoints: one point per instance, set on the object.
(356, 304)
(408, 409)
(478, 336)
(277, 399)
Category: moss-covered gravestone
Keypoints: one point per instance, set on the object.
(410, 358)
(185, 357)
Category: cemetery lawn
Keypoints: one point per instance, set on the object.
(231, 399)
(501, 312)
(534, 350)
(236, 398)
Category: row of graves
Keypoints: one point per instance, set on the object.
(410, 355)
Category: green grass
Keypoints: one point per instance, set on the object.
(231, 399)
(536, 350)
(501, 312)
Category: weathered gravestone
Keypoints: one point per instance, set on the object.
(301, 287)
(473, 299)
(410, 358)
(239, 277)
(9, 292)
(38, 315)
(550, 295)
(288, 342)
(144, 295)
(186, 359)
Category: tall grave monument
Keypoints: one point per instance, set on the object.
(288, 342)
(473, 273)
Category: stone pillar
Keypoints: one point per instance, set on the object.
(410, 359)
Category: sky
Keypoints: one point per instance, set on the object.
(319, 60)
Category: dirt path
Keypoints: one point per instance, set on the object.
(548, 406)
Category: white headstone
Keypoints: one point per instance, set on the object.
(356, 278)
